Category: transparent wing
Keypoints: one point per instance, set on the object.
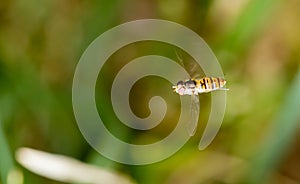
(192, 67)
(194, 113)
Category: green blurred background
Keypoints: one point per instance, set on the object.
(257, 43)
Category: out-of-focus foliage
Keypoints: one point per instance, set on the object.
(257, 43)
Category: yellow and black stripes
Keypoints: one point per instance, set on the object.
(210, 83)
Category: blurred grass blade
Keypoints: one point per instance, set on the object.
(284, 129)
(66, 169)
(253, 17)
(6, 161)
(15, 176)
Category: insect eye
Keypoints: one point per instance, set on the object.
(180, 83)
(190, 83)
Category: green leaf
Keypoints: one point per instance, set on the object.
(6, 160)
(280, 137)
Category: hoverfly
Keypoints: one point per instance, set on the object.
(193, 87)
(199, 86)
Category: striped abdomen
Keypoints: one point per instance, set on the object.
(208, 84)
